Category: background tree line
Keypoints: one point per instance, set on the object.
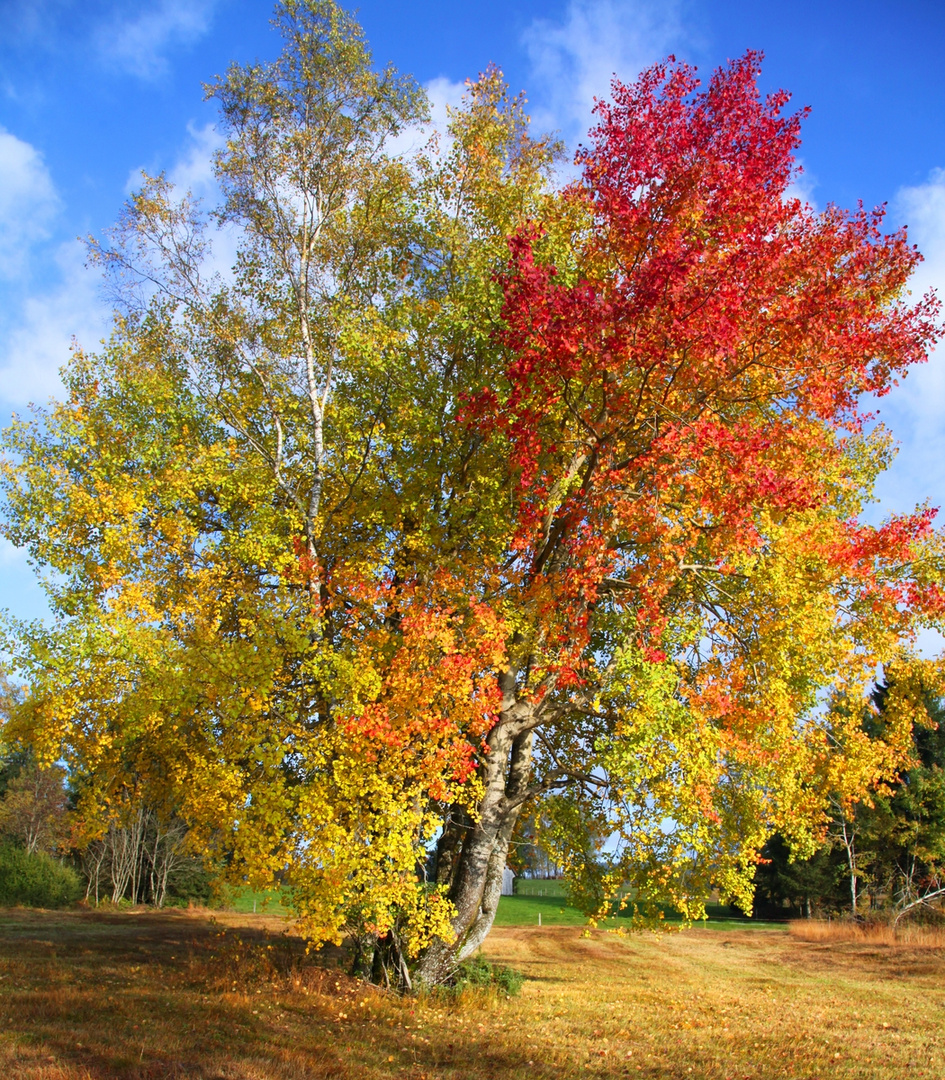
(50, 855)
(884, 856)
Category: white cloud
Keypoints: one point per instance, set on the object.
(922, 209)
(574, 61)
(442, 93)
(37, 335)
(38, 344)
(193, 169)
(28, 202)
(915, 411)
(192, 172)
(802, 186)
(137, 44)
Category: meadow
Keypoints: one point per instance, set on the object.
(546, 898)
(140, 995)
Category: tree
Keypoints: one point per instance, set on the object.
(33, 811)
(686, 567)
(139, 857)
(888, 849)
(527, 858)
(807, 886)
(12, 759)
(464, 496)
(901, 829)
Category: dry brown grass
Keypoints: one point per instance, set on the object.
(141, 996)
(837, 930)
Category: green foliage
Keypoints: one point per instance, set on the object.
(901, 832)
(192, 881)
(12, 758)
(35, 880)
(806, 886)
(887, 850)
(12, 762)
(477, 972)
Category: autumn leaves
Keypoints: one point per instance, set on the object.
(467, 493)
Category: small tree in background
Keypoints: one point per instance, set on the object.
(786, 885)
(902, 828)
(34, 809)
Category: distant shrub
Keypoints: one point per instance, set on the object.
(35, 880)
(192, 882)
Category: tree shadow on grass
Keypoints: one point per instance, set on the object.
(140, 996)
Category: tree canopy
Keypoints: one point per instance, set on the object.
(467, 493)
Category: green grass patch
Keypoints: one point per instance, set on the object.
(255, 901)
(524, 911)
(539, 887)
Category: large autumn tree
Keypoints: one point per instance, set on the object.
(464, 496)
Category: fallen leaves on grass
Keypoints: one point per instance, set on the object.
(143, 996)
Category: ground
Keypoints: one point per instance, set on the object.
(140, 996)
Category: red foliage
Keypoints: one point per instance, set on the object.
(704, 369)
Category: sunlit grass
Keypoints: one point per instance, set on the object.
(144, 996)
(867, 933)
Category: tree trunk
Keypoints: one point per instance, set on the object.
(849, 841)
(93, 860)
(476, 878)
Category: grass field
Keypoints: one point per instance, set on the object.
(524, 911)
(255, 901)
(534, 897)
(146, 996)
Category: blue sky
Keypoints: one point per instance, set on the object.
(93, 90)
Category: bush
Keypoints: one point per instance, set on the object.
(35, 880)
(192, 882)
(478, 972)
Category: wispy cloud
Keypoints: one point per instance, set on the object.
(28, 203)
(442, 94)
(802, 186)
(574, 60)
(30, 21)
(38, 343)
(193, 169)
(137, 44)
(918, 417)
(922, 209)
(915, 411)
